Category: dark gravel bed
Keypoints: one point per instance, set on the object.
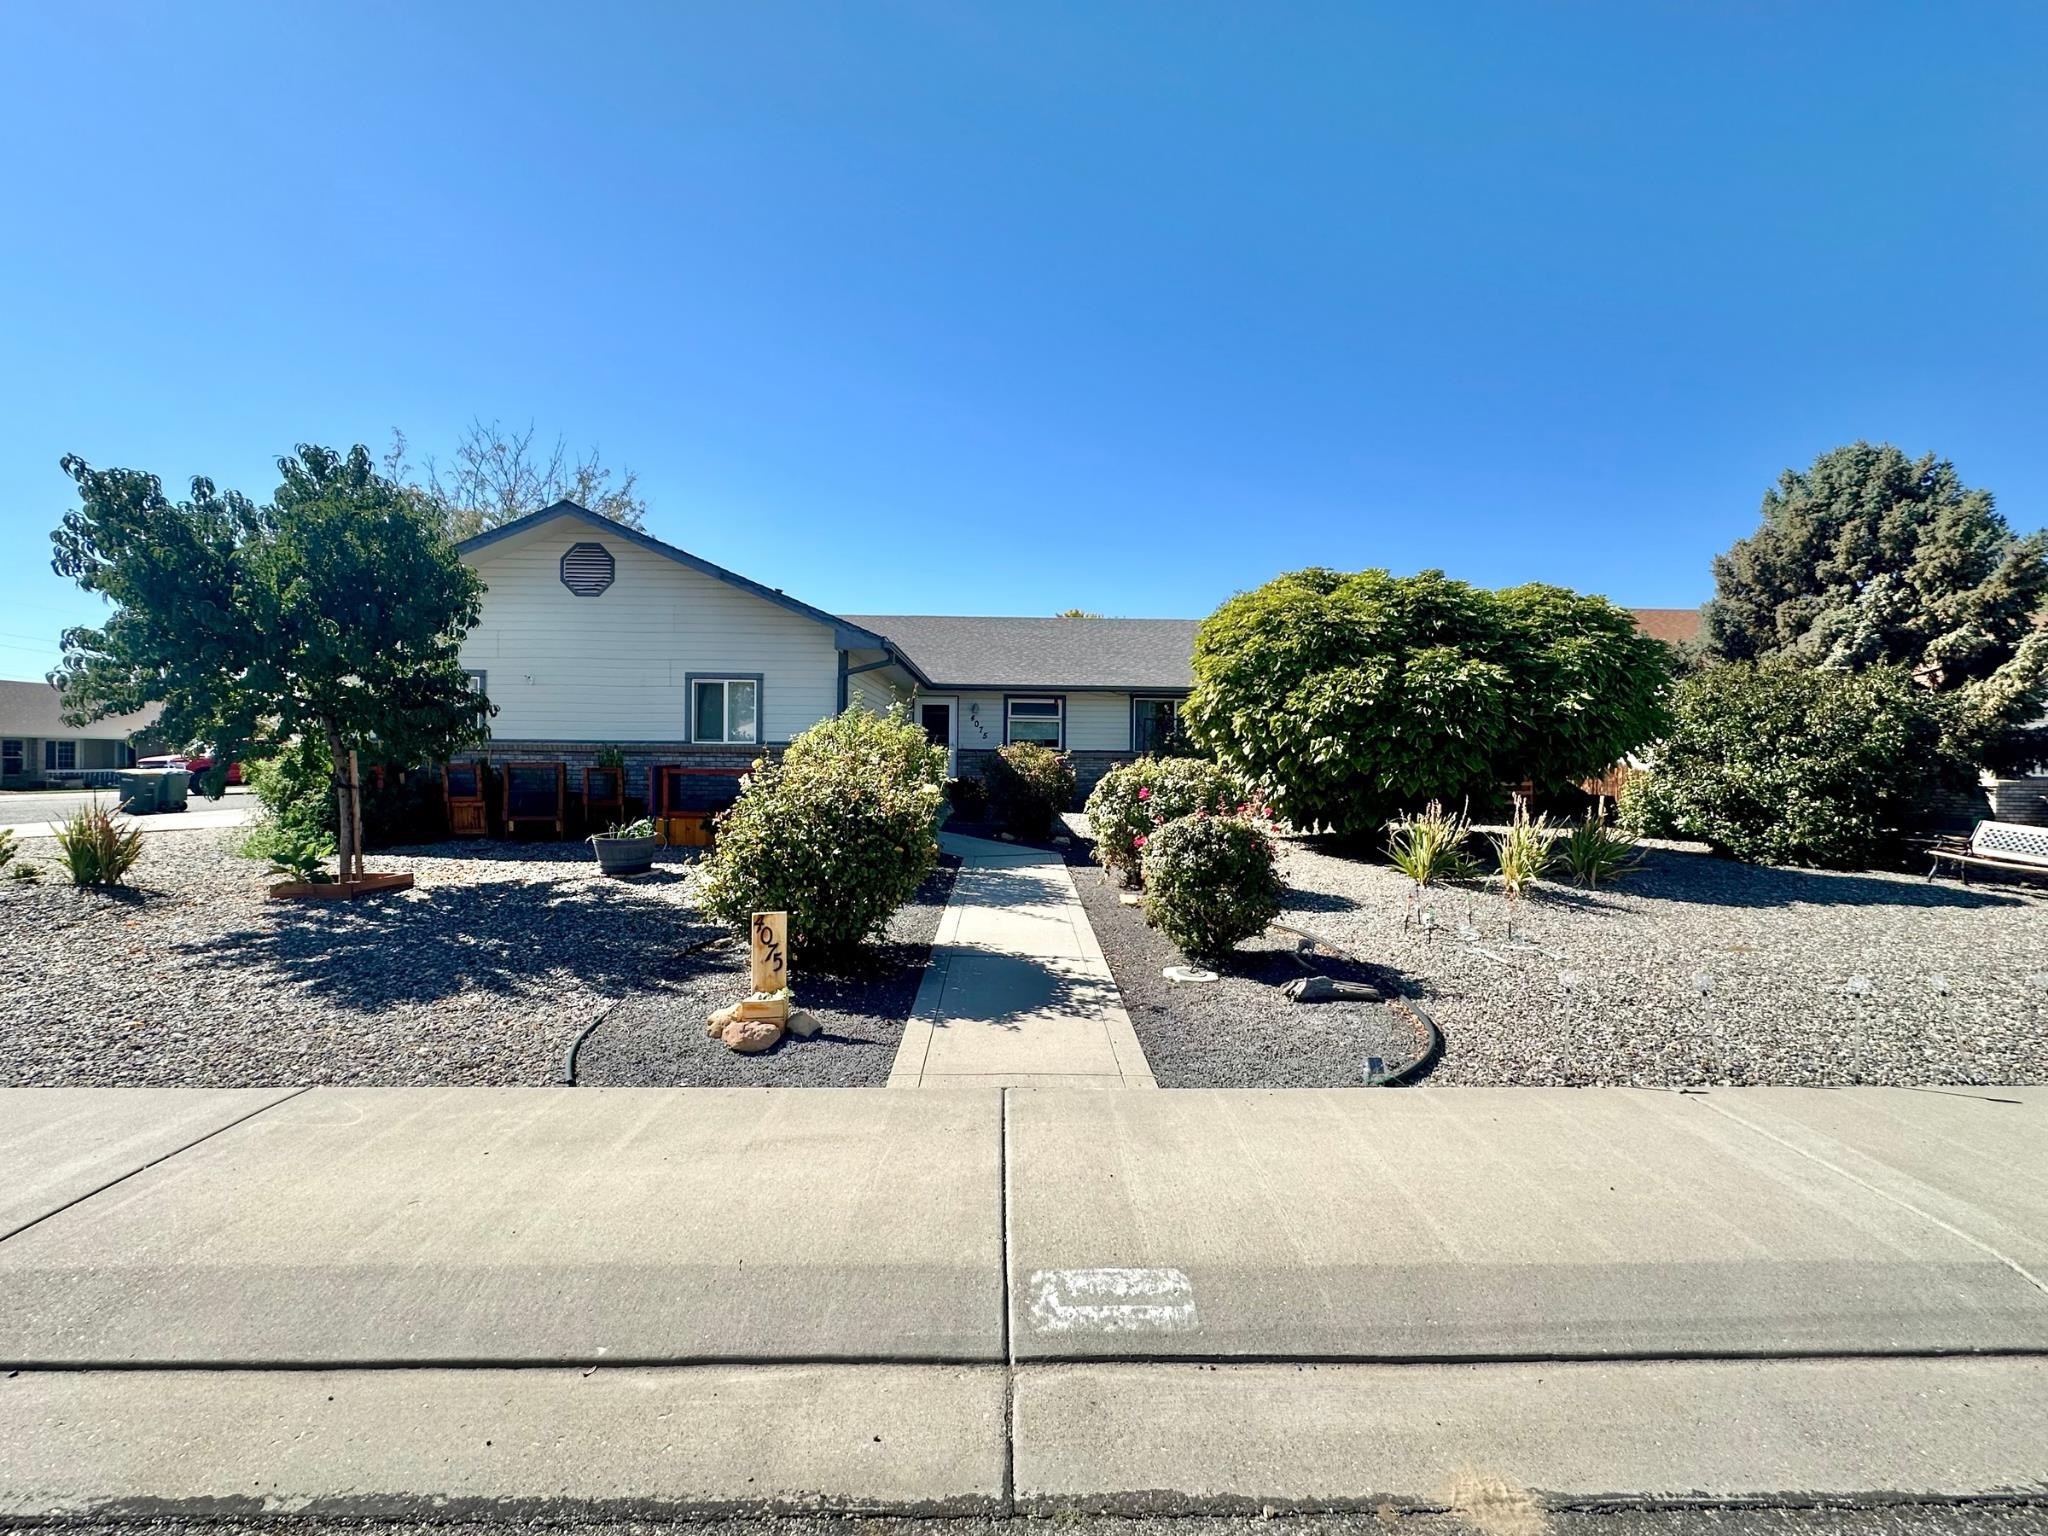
(655, 1036)
(1700, 971)
(482, 974)
(1238, 1031)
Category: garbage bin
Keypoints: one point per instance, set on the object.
(176, 785)
(142, 790)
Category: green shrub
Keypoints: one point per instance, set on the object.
(1353, 696)
(1431, 847)
(295, 786)
(968, 797)
(1778, 763)
(301, 855)
(1029, 786)
(96, 849)
(1133, 799)
(1595, 852)
(1641, 809)
(1211, 882)
(838, 834)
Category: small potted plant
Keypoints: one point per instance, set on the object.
(627, 849)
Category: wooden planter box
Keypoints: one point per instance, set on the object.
(340, 890)
(692, 831)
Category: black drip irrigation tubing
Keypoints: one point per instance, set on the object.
(1432, 1052)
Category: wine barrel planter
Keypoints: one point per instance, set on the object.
(624, 855)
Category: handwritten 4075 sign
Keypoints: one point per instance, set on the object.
(771, 951)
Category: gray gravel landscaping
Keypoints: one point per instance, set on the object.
(1699, 971)
(1695, 971)
(484, 973)
(656, 1036)
(1238, 1031)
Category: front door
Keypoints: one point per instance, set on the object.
(936, 716)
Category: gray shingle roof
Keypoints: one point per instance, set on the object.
(1042, 653)
(37, 709)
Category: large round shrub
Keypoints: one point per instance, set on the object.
(1785, 764)
(1352, 697)
(1133, 800)
(1028, 787)
(1211, 882)
(838, 834)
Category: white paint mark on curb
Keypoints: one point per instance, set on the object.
(1111, 1301)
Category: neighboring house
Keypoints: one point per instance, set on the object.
(595, 634)
(37, 747)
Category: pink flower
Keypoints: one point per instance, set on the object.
(1144, 792)
(1138, 841)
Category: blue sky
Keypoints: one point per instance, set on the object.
(1002, 308)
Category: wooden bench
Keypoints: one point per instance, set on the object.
(2002, 845)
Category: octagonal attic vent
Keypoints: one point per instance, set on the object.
(587, 569)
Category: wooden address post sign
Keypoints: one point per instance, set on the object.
(770, 934)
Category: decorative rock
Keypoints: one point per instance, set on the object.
(1005, 837)
(801, 1024)
(1063, 842)
(1188, 973)
(717, 1022)
(748, 1036)
(1327, 989)
(1130, 899)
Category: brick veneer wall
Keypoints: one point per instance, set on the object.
(641, 758)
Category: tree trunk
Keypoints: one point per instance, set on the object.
(344, 838)
(355, 806)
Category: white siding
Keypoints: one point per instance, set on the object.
(875, 690)
(612, 667)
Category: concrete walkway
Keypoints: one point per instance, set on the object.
(1017, 993)
(432, 1303)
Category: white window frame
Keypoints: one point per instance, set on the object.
(725, 680)
(19, 754)
(1058, 717)
(54, 753)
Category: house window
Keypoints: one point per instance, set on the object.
(60, 756)
(587, 569)
(1155, 725)
(1041, 720)
(725, 709)
(12, 755)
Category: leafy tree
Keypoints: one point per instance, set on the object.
(1076, 613)
(498, 476)
(1870, 559)
(335, 612)
(1779, 763)
(1353, 697)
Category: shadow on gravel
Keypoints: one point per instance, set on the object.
(1670, 874)
(506, 936)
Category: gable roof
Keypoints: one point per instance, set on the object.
(37, 709)
(1013, 653)
(846, 635)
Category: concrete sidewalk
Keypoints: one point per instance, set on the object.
(384, 1302)
(1017, 993)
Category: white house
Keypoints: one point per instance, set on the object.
(37, 747)
(595, 634)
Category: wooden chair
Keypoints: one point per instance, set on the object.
(462, 790)
(537, 794)
(1998, 845)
